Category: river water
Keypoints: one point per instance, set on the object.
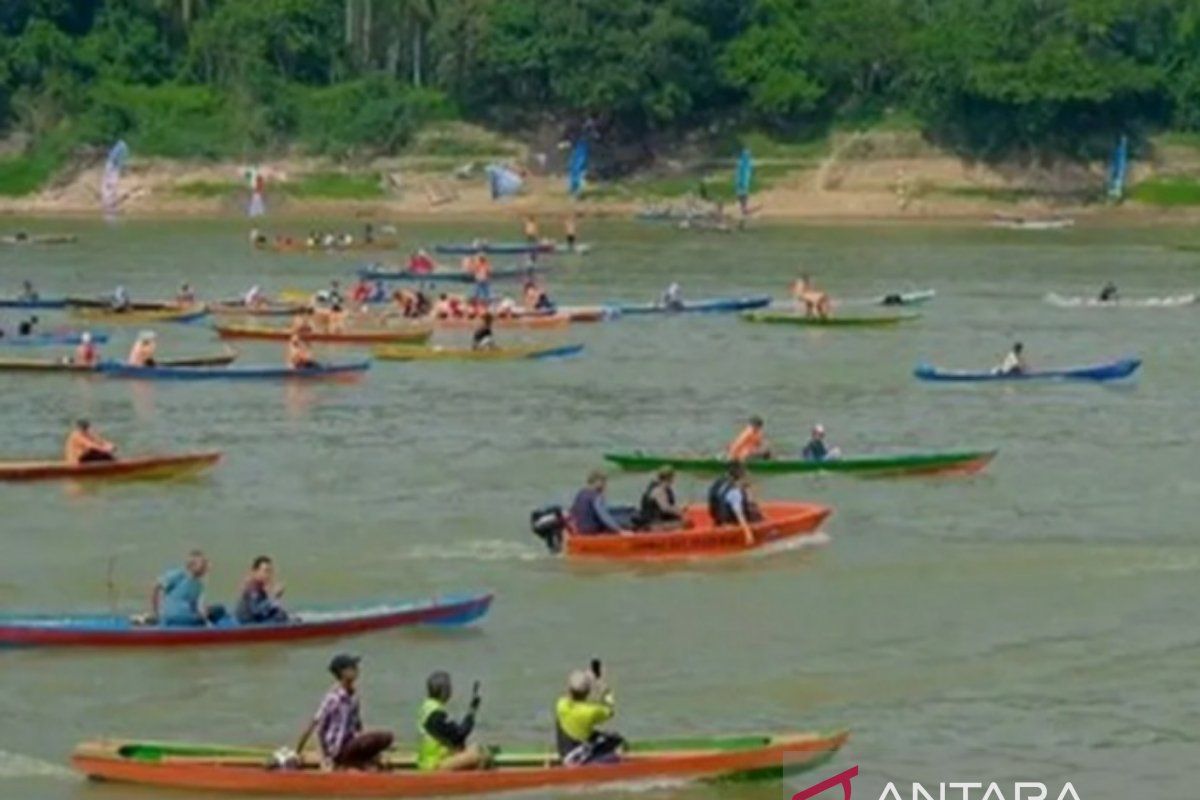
(1035, 623)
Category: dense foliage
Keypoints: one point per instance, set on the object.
(355, 77)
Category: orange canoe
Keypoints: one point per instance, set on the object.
(245, 770)
(412, 334)
(782, 521)
(134, 468)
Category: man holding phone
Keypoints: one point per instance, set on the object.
(443, 742)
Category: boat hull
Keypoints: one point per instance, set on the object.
(243, 770)
(510, 274)
(51, 339)
(117, 632)
(140, 316)
(43, 303)
(1173, 301)
(914, 464)
(45, 365)
(421, 353)
(1110, 371)
(136, 468)
(348, 371)
(782, 521)
(414, 335)
(795, 318)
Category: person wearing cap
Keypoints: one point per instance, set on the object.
(338, 723)
(730, 501)
(298, 354)
(178, 595)
(84, 446)
(1014, 363)
(751, 443)
(817, 449)
(589, 510)
(578, 714)
(443, 742)
(86, 354)
(659, 509)
(142, 352)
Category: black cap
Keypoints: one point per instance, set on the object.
(341, 662)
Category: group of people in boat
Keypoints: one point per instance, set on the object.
(178, 597)
(751, 444)
(318, 239)
(444, 742)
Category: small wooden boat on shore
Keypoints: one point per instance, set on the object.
(416, 333)
(423, 353)
(112, 631)
(243, 770)
(154, 467)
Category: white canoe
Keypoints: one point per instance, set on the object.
(1173, 301)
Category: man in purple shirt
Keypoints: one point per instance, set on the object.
(338, 723)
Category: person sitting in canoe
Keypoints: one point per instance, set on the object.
(659, 510)
(178, 597)
(186, 295)
(360, 294)
(28, 293)
(86, 353)
(338, 723)
(84, 446)
(589, 512)
(120, 300)
(587, 704)
(443, 742)
(298, 354)
(815, 302)
(672, 298)
(1108, 293)
(534, 296)
(816, 449)
(421, 263)
(254, 297)
(335, 318)
(1013, 363)
(143, 350)
(750, 444)
(483, 338)
(730, 501)
(259, 603)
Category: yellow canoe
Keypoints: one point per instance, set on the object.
(436, 353)
(141, 316)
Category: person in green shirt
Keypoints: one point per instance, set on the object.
(587, 704)
(443, 742)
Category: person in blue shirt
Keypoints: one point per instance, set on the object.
(816, 449)
(178, 597)
(589, 511)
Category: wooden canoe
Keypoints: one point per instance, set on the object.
(237, 309)
(530, 322)
(131, 468)
(843, 321)
(44, 365)
(112, 631)
(245, 770)
(410, 334)
(424, 353)
(782, 521)
(966, 462)
(142, 316)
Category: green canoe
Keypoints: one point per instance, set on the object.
(960, 462)
(794, 318)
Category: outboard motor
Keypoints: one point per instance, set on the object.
(549, 523)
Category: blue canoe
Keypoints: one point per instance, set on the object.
(712, 305)
(374, 272)
(105, 630)
(1111, 371)
(50, 339)
(508, 248)
(113, 369)
(41, 302)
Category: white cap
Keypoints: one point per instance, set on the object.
(579, 682)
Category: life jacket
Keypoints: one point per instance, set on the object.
(583, 515)
(650, 510)
(430, 751)
(718, 507)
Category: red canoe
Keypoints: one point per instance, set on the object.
(134, 468)
(414, 334)
(782, 521)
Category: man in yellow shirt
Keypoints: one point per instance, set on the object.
(587, 704)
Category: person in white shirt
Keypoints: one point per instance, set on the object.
(1014, 362)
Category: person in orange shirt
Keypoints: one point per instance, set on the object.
(86, 354)
(298, 354)
(84, 446)
(815, 301)
(142, 352)
(750, 443)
